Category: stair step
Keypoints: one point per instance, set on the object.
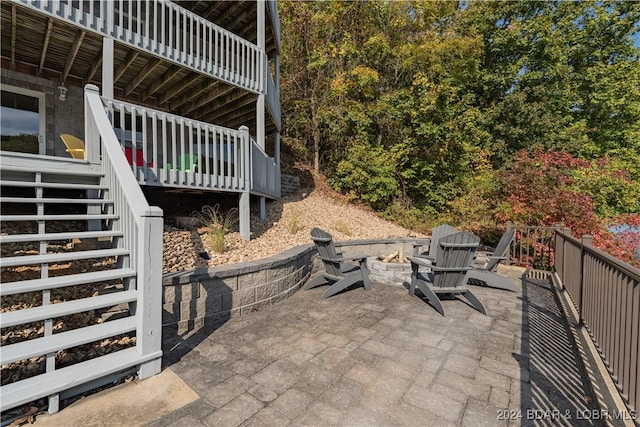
(74, 217)
(25, 391)
(61, 185)
(63, 171)
(55, 200)
(11, 288)
(61, 257)
(52, 343)
(16, 238)
(52, 311)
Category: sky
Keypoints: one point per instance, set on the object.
(18, 122)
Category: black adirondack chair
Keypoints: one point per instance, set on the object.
(449, 274)
(337, 272)
(487, 273)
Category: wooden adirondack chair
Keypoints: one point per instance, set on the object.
(436, 234)
(487, 273)
(449, 274)
(75, 146)
(338, 273)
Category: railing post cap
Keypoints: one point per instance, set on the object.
(92, 88)
(243, 128)
(587, 239)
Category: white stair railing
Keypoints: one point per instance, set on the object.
(141, 226)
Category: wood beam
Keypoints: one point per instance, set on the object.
(148, 68)
(234, 122)
(163, 80)
(176, 89)
(212, 7)
(45, 44)
(194, 92)
(97, 62)
(128, 60)
(77, 42)
(14, 30)
(227, 102)
(209, 97)
(229, 113)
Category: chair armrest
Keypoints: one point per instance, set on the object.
(423, 261)
(434, 268)
(501, 258)
(355, 257)
(427, 257)
(419, 244)
(335, 260)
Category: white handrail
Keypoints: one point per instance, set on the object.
(168, 31)
(140, 224)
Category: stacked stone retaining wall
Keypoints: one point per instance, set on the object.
(289, 184)
(196, 298)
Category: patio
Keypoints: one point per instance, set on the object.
(382, 357)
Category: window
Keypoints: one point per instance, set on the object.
(21, 120)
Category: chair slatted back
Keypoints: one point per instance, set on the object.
(327, 251)
(436, 234)
(75, 146)
(455, 256)
(501, 249)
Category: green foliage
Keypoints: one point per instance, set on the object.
(522, 111)
(20, 143)
(367, 173)
(411, 218)
(610, 186)
(218, 224)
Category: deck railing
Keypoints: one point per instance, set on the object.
(273, 100)
(168, 31)
(168, 150)
(532, 246)
(265, 174)
(606, 293)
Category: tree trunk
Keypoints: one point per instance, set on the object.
(315, 131)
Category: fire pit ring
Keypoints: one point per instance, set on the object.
(389, 273)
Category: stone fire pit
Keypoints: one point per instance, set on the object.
(391, 269)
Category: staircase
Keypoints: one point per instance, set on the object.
(71, 288)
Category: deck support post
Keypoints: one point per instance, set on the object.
(244, 212)
(262, 211)
(92, 155)
(107, 67)
(260, 114)
(149, 304)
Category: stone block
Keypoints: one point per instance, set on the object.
(287, 282)
(218, 286)
(279, 272)
(267, 291)
(181, 293)
(238, 299)
(251, 280)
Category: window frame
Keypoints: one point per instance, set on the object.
(40, 96)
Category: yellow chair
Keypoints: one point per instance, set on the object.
(75, 146)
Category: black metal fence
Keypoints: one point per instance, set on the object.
(606, 293)
(532, 247)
